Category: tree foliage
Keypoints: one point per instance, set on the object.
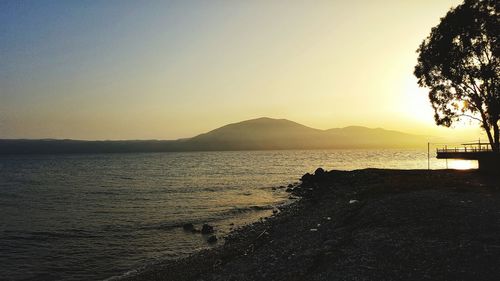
(459, 63)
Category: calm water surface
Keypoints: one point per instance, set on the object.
(91, 217)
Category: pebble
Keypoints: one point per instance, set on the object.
(188, 227)
(207, 229)
(212, 239)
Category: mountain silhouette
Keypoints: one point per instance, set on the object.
(261, 133)
(267, 133)
(256, 134)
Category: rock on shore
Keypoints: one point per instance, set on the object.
(363, 225)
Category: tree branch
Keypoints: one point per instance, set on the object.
(472, 117)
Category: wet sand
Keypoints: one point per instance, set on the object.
(362, 225)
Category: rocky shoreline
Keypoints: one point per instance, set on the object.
(362, 225)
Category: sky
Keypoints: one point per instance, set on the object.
(174, 69)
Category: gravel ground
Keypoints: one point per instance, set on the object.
(363, 225)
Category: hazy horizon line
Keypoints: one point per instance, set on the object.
(233, 123)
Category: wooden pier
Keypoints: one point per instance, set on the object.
(488, 159)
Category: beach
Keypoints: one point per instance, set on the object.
(371, 224)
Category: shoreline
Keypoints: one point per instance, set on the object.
(371, 224)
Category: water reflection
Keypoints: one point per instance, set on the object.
(462, 164)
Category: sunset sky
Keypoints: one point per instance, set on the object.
(172, 69)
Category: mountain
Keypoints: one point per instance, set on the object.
(261, 133)
(267, 133)
(255, 134)
(357, 136)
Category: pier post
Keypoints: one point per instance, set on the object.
(428, 156)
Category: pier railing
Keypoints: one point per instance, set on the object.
(464, 149)
(469, 147)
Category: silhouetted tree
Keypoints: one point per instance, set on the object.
(459, 63)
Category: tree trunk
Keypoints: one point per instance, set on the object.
(487, 127)
(488, 133)
(496, 142)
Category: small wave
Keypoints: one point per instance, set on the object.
(102, 193)
(166, 226)
(49, 235)
(214, 217)
(147, 265)
(175, 224)
(237, 210)
(124, 275)
(211, 189)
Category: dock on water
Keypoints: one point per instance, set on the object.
(488, 159)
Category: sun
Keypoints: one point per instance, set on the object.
(419, 108)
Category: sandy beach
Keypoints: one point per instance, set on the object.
(362, 225)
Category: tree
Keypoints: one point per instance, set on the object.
(459, 63)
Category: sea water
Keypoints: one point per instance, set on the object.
(94, 216)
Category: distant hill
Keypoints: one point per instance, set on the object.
(262, 133)
(255, 134)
